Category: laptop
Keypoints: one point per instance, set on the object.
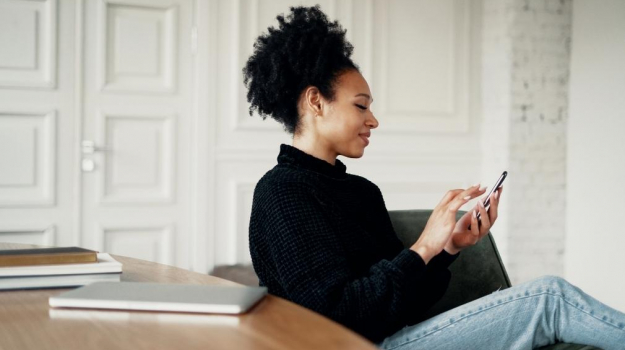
(161, 297)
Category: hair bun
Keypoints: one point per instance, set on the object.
(306, 49)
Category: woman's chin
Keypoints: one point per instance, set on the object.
(356, 154)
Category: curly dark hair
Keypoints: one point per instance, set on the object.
(305, 50)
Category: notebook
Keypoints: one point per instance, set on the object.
(105, 264)
(55, 281)
(47, 256)
(161, 297)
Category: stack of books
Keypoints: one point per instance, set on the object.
(55, 267)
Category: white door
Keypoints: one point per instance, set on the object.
(37, 122)
(136, 128)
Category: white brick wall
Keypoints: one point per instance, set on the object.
(526, 56)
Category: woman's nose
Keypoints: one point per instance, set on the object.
(373, 122)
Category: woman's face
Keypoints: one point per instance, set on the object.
(347, 121)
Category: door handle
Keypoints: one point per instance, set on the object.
(89, 147)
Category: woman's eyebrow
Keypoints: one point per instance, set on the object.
(365, 95)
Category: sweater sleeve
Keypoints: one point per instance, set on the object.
(438, 262)
(436, 277)
(312, 266)
(443, 260)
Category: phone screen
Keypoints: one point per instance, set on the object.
(497, 185)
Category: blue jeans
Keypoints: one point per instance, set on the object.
(533, 314)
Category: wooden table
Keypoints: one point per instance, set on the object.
(27, 322)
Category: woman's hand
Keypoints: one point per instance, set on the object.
(442, 222)
(462, 237)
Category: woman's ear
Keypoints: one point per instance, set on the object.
(312, 100)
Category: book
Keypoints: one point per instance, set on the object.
(46, 256)
(56, 281)
(105, 264)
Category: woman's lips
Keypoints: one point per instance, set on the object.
(365, 138)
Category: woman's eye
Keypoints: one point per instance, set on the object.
(361, 107)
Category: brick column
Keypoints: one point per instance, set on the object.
(525, 71)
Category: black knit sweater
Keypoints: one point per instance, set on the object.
(323, 239)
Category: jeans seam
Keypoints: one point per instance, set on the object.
(493, 306)
(589, 314)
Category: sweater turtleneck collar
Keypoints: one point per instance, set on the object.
(292, 155)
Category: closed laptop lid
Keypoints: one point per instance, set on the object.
(161, 297)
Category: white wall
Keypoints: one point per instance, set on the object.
(594, 258)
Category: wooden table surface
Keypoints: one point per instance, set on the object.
(27, 321)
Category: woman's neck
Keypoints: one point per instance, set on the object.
(315, 148)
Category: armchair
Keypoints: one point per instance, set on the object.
(477, 272)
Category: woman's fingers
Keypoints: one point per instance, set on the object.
(483, 217)
(494, 205)
(450, 195)
(474, 225)
(454, 199)
(461, 198)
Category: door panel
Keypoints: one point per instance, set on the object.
(138, 162)
(27, 159)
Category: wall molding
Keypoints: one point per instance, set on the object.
(454, 120)
(44, 74)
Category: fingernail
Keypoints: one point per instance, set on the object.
(497, 195)
(477, 184)
(482, 188)
(481, 203)
(467, 197)
(475, 214)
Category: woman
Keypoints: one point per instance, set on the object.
(322, 238)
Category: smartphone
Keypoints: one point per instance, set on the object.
(492, 190)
